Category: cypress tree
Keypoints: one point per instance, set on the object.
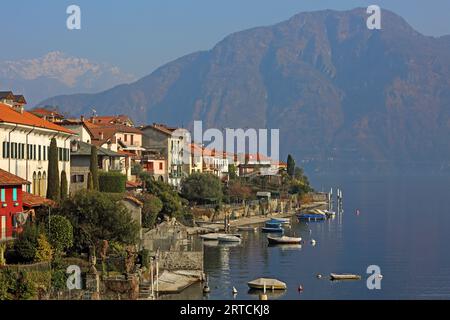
(90, 184)
(94, 168)
(64, 185)
(53, 172)
(290, 166)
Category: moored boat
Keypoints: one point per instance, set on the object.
(270, 229)
(284, 240)
(215, 236)
(344, 276)
(267, 283)
(228, 238)
(246, 228)
(270, 224)
(281, 220)
(314, 215)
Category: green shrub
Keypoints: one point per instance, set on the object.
(113, 182)
(26, 244)
(60, 234)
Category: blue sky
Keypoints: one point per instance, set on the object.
(140, 35)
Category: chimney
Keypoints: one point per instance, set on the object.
(82, 118)
(18, 108)
(101, 135)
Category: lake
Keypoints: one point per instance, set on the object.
(403, 227)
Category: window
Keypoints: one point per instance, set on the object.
(160, 166)
(15, 194)
(125, 137)
(45, 153)
(3, 195)
(132, 139)
(5, 149)
(39, 153)
(34, 152)
(77, 178)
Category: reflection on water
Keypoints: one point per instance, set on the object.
(402, 227)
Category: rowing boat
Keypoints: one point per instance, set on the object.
(268, 283)
(276, 230)
(247, 228)
(283, 240)
(215, 236)
(344, 276)
(281, 220)
(228, 238)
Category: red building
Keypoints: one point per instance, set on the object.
(11, 203)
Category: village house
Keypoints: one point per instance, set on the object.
(196, 158)
(215, 162)
(113, 133)
(11, 204)
(47, 114)
(25, 143)
(169, 143)
(80, 161)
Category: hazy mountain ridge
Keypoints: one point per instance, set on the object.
(57, 73)
(334, 88)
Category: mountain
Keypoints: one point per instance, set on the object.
(339, 93)
(56, 73)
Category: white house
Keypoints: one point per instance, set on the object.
(25, 142)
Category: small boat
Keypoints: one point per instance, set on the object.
(283, 240)
(243, 228)
(312, 215)
(269, 229)
(344, 276)
(268, 283)
(228, 238)
(215, 236)
(281, 220)
(329, 213)
(273, 224)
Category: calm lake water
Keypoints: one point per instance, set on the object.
(403, 227)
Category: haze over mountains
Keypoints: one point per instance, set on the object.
(57, 73)
(335, 89)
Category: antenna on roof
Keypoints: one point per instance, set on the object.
(94, 112)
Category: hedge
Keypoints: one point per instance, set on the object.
(113, 182)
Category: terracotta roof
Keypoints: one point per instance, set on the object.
(133, 199)
(161, 128)
(9, 179)
(7, 114)
(102, 133)
(32, 201)
(45, 112)
(131, 184)
(120, 119)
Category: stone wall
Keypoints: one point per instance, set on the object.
(181, 260)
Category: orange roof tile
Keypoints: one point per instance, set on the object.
(9, 179)
(31, 200)
(8, 115)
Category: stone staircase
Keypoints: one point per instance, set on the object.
(145, 291)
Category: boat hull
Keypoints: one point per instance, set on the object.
(272, 230)
(284, 240)
(269, 284)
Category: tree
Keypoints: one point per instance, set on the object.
(232, 171)
(53, 192)
(26, 244)
(172, 202)
(290, 166)
(60, 234)
(90, 183)
(152, 207)
(236, 190)
(97, 216)
(44, 251)
(64, 185)
(94, 168)
(202, 187)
